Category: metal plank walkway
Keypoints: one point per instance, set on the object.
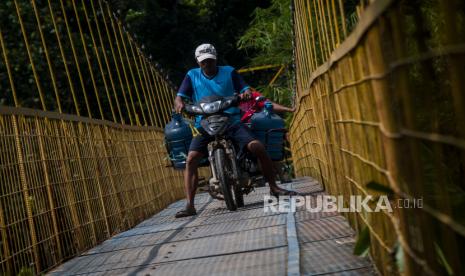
(218, 242)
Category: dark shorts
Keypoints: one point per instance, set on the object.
(239, 134)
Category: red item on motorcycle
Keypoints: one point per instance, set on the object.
(250, 107)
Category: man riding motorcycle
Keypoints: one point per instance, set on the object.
(210, 79)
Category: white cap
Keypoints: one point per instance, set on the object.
(205, 51)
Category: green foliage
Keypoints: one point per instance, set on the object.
(26, 271)
(362, 245)
(270, 33)
(269, 36)
(280, 92)
(372, 185)
(170, 30)
(442, 260)
(399, 258)
(133, 15)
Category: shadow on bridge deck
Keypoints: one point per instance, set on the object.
(218, 242)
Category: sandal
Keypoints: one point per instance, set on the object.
(186, 213)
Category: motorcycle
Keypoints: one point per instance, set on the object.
(233, 174)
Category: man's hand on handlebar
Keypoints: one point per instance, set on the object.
(178, 104)
(246, 95)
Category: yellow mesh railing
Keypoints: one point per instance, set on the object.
(382, 101)
(82, 154)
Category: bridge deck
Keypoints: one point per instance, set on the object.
(218, 242)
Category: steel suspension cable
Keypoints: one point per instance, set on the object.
(29, 54)
(63, 57)
(112, 18)
(107, 31)
(107, 63)
(138, 70)
(76, 60)
(97, 55)
(131, 71)
(89, 64)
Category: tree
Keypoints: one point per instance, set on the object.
(270, 37)
(170, 30)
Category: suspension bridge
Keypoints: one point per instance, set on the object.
(86, 187)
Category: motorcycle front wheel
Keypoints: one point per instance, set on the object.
(222, 168)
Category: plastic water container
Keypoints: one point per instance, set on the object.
(268, 127)
(178, 137)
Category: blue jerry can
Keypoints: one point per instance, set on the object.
(178, 137)
(268, 127)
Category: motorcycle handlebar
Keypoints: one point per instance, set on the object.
(192, 109)
(196, 110)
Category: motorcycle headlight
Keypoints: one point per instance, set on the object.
(212, 107)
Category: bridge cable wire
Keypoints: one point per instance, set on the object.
(63, 57)
(99, 61)
(76, 60)
(115, 62)
(142, 81)
(107, 63)
(131, 72)
(86, 54)
(150, 87)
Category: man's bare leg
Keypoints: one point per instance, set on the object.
(189, 187)
(191, 176)
(257, 148)
(190, 182)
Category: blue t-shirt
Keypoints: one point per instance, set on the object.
(225, 83)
